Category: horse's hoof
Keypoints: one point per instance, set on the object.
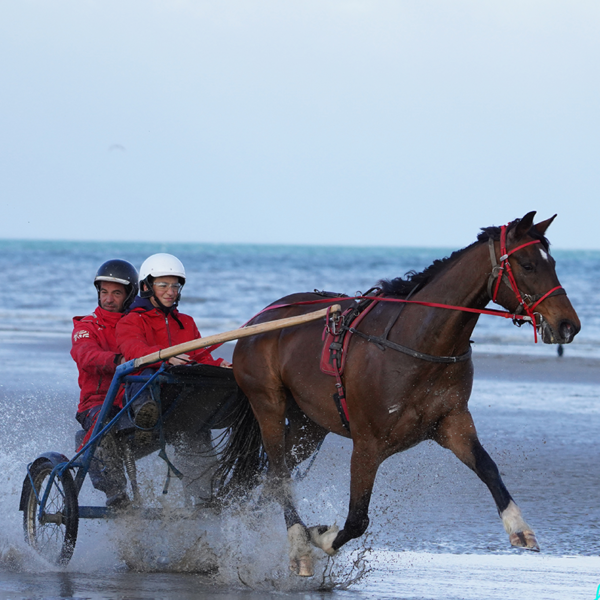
(301, 561)
(303, 566)
(322, 537)
(524, 539)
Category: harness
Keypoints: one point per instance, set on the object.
(339, 328)
(335, 347)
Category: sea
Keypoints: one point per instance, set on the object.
(227, 284)
(434, 530)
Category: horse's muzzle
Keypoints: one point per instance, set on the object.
(564, 334)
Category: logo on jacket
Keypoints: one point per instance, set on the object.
(81, 334)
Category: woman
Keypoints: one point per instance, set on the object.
(153, 322)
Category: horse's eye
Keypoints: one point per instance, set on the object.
(528, 267)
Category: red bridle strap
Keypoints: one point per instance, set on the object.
(558, 287)
(505, 267)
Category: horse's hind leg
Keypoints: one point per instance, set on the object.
(457, 433)
(302, 436)
(270, 409)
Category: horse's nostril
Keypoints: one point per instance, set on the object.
(567, 331)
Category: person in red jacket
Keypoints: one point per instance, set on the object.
(95, 350)
(153, 322)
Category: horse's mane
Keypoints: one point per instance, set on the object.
(403, 286)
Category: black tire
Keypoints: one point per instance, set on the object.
(53, 539)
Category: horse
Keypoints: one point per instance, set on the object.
(409, 385)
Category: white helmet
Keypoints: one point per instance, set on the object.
(160, 265)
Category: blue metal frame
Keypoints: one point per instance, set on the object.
(100, 428)
(83, 458)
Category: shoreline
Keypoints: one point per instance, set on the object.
(487, 365)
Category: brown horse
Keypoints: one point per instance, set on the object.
(396, 400)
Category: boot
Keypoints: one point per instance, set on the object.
(107, 471)
(146, 414)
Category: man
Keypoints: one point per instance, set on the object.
(153, 322)
(97, 356)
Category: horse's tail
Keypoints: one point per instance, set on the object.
(242, 458)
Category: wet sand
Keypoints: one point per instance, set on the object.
(516, 367)
(434, 529)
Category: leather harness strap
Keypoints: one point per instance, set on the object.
(383, 344)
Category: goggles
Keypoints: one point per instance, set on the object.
(163, 286)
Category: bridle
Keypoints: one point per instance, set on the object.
(502, 272)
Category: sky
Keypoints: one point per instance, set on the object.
(354, 122)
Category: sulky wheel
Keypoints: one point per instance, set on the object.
(54, 535)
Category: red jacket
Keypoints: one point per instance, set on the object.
(146, 329)
(95, 351)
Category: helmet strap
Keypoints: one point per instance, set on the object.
(162, 307)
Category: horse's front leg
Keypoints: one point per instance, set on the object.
(363, 469)
(457, 433)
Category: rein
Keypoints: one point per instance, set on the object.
(500, 272)
(483, 311)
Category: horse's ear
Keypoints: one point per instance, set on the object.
(525, 224)
(541, 227)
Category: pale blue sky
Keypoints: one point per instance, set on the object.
(307, 122)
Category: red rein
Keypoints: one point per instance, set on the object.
(504, 266)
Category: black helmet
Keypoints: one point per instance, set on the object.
(118, 271)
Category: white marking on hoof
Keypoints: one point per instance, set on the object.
(519, 532)
(524, 539)
(301, 561)
(303, 567)
(325, 539)
(512, 519)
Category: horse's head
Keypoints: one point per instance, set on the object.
(530, 274)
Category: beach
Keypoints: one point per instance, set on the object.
(434, 529)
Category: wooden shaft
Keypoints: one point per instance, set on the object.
(235, 334)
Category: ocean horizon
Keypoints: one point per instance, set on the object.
(228, 283)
